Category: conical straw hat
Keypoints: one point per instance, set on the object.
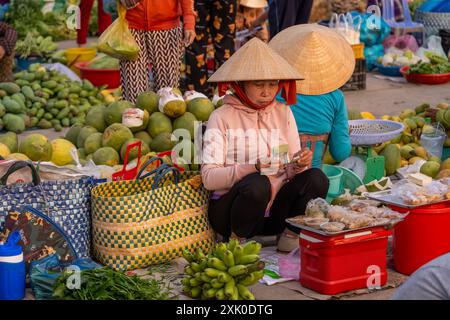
(320, 54)
(255, 61)
(254, 3)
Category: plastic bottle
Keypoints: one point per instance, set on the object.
(12, 269)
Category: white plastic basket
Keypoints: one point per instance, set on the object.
(372, 132)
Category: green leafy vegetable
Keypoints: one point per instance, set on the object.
(107, 284)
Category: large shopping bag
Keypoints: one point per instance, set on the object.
(150, 220)
(39, 235)
(117, 41)
(65, 202)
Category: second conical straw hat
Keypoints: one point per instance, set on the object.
(254, 3)
(255, 61)
(320, 54)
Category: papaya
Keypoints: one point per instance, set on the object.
(392, 158)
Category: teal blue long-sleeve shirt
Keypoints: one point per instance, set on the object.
(325, 113)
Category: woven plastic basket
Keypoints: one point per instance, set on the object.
(372, 132)
(433, 21)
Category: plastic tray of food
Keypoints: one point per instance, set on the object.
(387, 197)
(292, 221)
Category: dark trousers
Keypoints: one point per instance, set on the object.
(287, 13)
(215, 18)
(242, 209)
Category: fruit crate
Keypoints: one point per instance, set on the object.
(358, 79)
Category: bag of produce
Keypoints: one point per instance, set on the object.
(171, 102)
(117, 41)
(103, 61)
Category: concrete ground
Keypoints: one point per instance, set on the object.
(386, 97)
(381, 97)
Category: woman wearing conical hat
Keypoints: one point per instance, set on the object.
(327, 62)
(246, 146)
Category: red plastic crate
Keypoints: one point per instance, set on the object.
(423, 236)
(335, 264)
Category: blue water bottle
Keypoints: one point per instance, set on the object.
(12, 269)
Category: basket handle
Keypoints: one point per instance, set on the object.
(16, 166)
(162, 173)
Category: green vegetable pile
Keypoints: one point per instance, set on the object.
(45, 99)
(437, 65)
(102, 61)
(35, 45)
(225, 273)
(107, 284)
(26, 16)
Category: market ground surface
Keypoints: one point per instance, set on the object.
(290, 290)
(382, 96)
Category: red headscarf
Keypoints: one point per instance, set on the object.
(288, 88)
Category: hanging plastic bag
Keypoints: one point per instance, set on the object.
(432, 45)
(117, 41)
(344, 25)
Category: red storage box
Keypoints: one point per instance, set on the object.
(423, 236)
(335, 264)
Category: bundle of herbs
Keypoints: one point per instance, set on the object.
(107, 284)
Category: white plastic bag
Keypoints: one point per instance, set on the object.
(344, 25)
(432, 45)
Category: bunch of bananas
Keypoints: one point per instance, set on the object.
(225, 273)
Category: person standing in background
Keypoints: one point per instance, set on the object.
(283, 14)
(8, 39)
(104, 20)
(215, 19)
(157, 29)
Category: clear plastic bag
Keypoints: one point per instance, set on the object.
(289, 265)
(433, 45)
(117, 41)
(317, 208)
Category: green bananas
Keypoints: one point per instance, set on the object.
(225, 273)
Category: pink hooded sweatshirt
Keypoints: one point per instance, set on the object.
(220, 174)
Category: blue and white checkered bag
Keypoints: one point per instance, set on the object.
(66, 202)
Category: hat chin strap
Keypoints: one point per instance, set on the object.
(288, 92)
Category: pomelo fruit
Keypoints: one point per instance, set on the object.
(133, 154)
(106, 156)
(96, 118)
(113, 113)
(74, 131)
(61, 152)
(201, 108)
(93, 143)
(144, 136)
(187, 122)
(85, 132)
(37, 147)
(10, 140)
(430, 168)
(148, 101)
(116, 135)
(159, 123)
